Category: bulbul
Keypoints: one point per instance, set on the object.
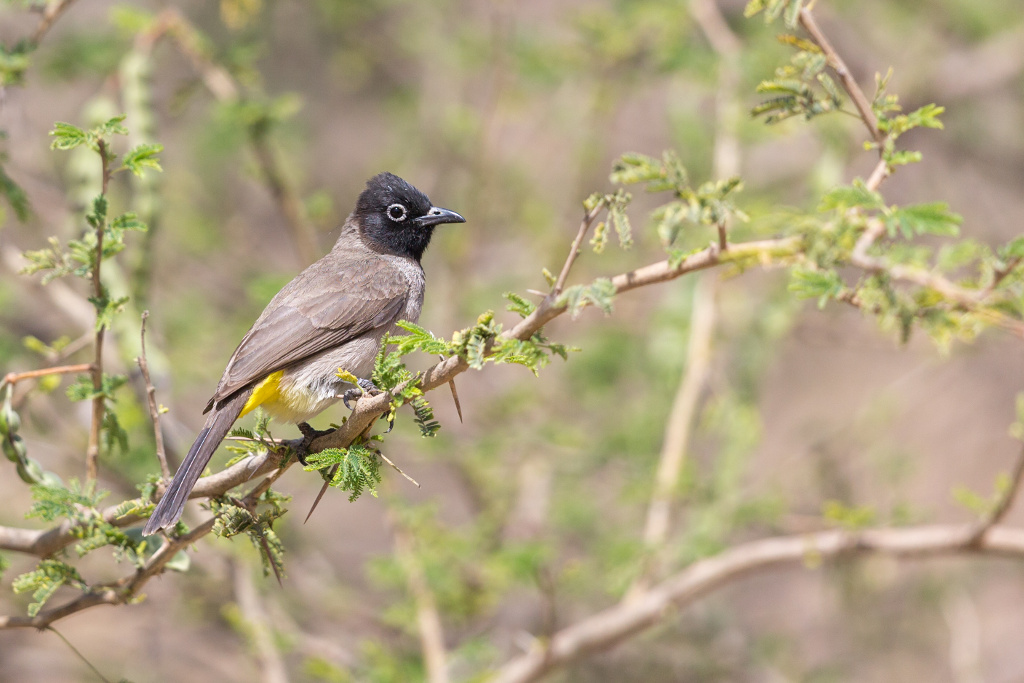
(333, 315)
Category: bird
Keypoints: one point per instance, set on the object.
(330, 317)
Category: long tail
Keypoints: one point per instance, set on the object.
(217, 426)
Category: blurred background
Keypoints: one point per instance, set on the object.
(531, 511)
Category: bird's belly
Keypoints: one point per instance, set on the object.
(310, 387)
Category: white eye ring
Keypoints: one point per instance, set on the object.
(402, 213)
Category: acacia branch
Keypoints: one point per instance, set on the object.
(615, 624)
(127, 588)
(860, 101)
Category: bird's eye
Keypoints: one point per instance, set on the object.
(397, 213)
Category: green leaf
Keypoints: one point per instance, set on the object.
(933, 218)
(599, 293)
(110, 127)
(66, 136)
(848, 517)
(358, 468)
(15, 196)
(144, 156)
(850, 197)
(98, 215)
(519, 304)
(45, 580)
(820, 284)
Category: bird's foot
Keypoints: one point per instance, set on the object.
(367, 387)
(309, 435)
(353, 394)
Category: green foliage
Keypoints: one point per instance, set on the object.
(923, 219)
(599, 293)
(233, 519)
(355, 469)
(518, 304)
(709, 204)
(800, 88)
(847, 517)
(808, 283)
(14, 62)
(144, 156)
(615, 204)
(13, 193)
(45, 580)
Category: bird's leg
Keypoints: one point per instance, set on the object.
(309, 435)
(366, 387)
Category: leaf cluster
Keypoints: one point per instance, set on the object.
(800, 88)
(708, 204)
(355, 469)
(233, 519)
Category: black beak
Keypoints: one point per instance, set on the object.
(437, 215)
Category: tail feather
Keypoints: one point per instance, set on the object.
(217, 426)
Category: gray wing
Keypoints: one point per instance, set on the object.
(331, 302)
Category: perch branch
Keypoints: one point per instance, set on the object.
(619, 622)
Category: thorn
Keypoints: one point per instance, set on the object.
(455, 396)
(323, 490)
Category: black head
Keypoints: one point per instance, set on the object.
(397, 218)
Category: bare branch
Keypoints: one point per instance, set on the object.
(15, 377)
(999, 512)
(154, 409)
(574, 250)
(678, 427)
(605, 629)
(51, 13)
(428, 619)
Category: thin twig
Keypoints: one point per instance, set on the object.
(1001, 508)
(15, 377)
(154, 409)
(397, 468)
(574, 250)
(881, 171)
(860, 101)
(51, 13)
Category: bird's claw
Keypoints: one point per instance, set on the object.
(353, 394)
(309, 435)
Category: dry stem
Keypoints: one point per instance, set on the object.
(154, 409)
